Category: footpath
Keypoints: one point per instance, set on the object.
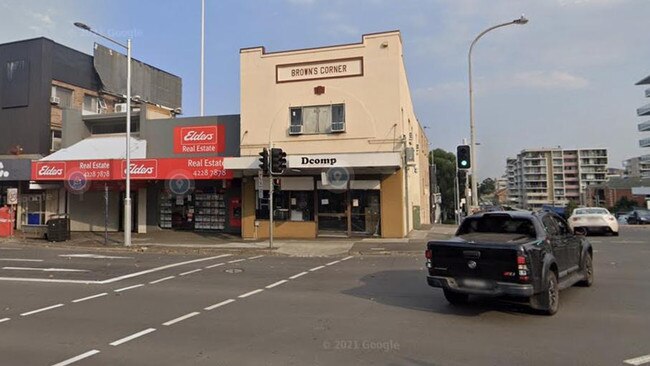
(184, 241)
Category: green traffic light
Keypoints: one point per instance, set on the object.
(463, 163)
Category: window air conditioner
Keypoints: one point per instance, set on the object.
(338, 126)
(120, 108)
(295, 130)
(55, 100)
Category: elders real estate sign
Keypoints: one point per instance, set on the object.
(199, 139)
(199, 168)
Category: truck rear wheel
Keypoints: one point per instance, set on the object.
(548, 301)
(456, 298)
(588, 269)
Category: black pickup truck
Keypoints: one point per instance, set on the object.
(525, 256)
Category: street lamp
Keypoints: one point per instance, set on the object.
(521, 20)
(127, 198)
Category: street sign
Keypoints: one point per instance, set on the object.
(12, 196)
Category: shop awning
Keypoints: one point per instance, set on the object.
(103, 159)
(105, 148)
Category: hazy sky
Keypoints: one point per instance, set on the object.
(566, 78)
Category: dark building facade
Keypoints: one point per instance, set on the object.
(40, 82)
(29, 67)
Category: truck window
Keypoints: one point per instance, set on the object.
(561, 224)
(498, 224)
(550, 226)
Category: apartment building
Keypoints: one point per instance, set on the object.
(642, 112)
(637, 167)
(554, 176)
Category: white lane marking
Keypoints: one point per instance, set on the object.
(276, 284)
(132, 337)
(237, 260)
(346, 258)
(128, 288)
(162, 279)
(215, 265)
(219, 304)
(181, 318)
(115, 279)
(251, 293)
(45, 269)
(92, 256)
(41, 310)
(256, 257)
(48, 280)
(297, 275)
(332, 263)
(638, 360)
(20, 260)
(4, 320)
(77, 358)
(189, 272)
(90, 297)
(110, 280)
(316, 268)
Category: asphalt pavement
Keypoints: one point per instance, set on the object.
(371, 308)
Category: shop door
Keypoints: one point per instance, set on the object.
(365, 212)
(332, 213)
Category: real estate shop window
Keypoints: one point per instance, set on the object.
(322, 119)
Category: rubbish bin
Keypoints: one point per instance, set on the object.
(58, 228)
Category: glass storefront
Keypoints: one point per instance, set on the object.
(337, 212)
(209, 207)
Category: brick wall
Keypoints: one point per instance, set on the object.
(77, 102)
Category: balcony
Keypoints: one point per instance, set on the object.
(644, 142)
(644, 127)
(643, 111)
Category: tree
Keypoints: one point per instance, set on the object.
(568, 210)
(624, 204)
(445, 163)
(487, 187)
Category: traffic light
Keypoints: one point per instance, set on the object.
(264, 161)
(278, 161)
(463, 157)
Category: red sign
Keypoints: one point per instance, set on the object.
(199, 168)
(49, 170)
(199, 139)
(140, 169)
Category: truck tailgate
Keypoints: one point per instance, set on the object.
(473, 260)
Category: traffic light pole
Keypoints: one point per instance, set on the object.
(270, 196)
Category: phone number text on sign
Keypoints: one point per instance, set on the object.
(209, 173)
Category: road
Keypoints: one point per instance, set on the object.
(129, 308)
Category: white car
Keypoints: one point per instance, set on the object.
(593, 219)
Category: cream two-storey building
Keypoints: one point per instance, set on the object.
(357, 155)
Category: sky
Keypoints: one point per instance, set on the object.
(564, 79)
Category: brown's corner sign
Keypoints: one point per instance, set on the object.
(317, 70)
